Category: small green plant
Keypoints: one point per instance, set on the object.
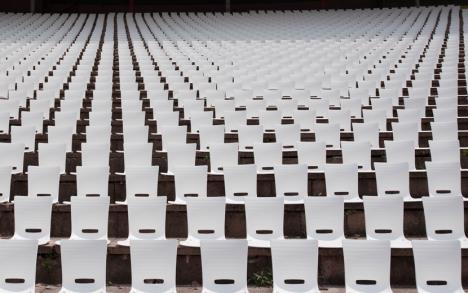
(262, 278)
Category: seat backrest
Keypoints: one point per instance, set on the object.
(92, 181)
(89, 217)
(437, 265)
(223, 155)
(295, 265)
(342, 180)
(147, 217)
(444, 217)
(267, 156)
(44, 181)
(224, 265)
(324, 217)
(33, 216)
(264, 217)
(367, 265)
(21, 257)
(443, 178)
(83, 265)
(153, 265)
(383, 217)
(190, 181)
(205, 218)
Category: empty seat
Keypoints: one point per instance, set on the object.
(367, 265)
(444, 217)
(44, 181)
(92, 181)
(223, 155)
(384, 219)
(224, 265)
(248, 136)
(89, 218)
(328, 133)
(325, 220)
(445, 150)
(240, 182)
(267, 156)
(400, 151)
(437, 265)
(180, 155)
(291, 183)
(342, 180)
(264, 218)
(443, 178)
(95, 154)
(20, 273)
(205, 218)
(33, 217)
(153, 265)
(52, 155)
(393, 179)
(146, 219)
(25, 135)
(358, 153)
(190, 182)
(295, 265)
(83, 265)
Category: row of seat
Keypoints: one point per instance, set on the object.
(224, 265)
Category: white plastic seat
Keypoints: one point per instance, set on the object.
(173, 135)
(312, 154)
(66, 119)
(240, 182)
(98, 134)
(180, 155)
(340, 117)
(443, 178)
(444, 217)
(291, 183)
(205, 218)
(224, 265)
(146, 219)
(358, 153)
(32, 119)
(234, 119)
(267, 156)
(445, 150)
(25, 135)
(223, 155)
(33, 216)
(200, 119)
(137, 154)
(406, 131)
(21, 257)
(438, 266)
(295, 265)
(375, 116)
(342, 180)
(329, 134)
(153, 265)
(325, 220)
(83, 265)
(384, 219)
(136, 134)
(89, 218)
(445, 114)
(95, 154)
(270, 120)
(264, 220)
(209, 135)
(5, 183)
(305, 119)
(289, 135)
(367, 265)
(4, 122)
(52, 154)
(393, 179)
(401, 151)
(12, 154)
(44, 181)
(61, 134)
(367, 132)
(353, 106)
(92, 181)
(444, 130)
(190, 182)
(248, 136)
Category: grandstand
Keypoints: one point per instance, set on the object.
(292, 150)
